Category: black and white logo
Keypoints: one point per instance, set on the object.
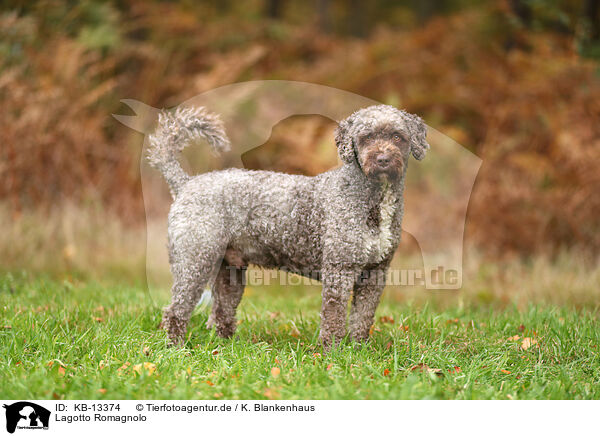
(26, 415)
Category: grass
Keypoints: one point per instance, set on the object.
(84, 340)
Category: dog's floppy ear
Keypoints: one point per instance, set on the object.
(343, 142)
(418, 141)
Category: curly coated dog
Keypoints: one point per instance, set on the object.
(341, 226)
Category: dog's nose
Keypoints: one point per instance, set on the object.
(383, 160)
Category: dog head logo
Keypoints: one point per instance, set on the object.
(26, 415)
(437, 190)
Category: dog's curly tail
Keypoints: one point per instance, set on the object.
(174, 132)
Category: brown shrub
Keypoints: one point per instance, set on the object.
(524, 102)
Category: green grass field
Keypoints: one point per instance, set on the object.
(77, 340)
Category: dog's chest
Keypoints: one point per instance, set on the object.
(379, 238)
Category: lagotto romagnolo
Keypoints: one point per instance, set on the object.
(342, 226)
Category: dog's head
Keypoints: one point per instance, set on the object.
(379, 139)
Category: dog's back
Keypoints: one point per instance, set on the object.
(270, 219)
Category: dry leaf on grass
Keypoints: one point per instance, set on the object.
(514, 338)
(386, 372)
(146, 367)
(527, 343)
(275, 372)
(61, 370)
(123, 368)
(421, 367)
(271, 394)
(387, 319)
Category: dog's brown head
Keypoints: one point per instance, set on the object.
(379, 139)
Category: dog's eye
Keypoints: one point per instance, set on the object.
(398, 138)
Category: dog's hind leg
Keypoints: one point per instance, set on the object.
(227, 294)
(192, 269)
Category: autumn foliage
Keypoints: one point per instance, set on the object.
(524, 101)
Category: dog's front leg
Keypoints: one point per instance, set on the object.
(366, 296)
(337, 287)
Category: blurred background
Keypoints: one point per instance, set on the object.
(516, 82)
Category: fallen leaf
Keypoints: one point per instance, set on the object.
(387, 319)
(386, 372)
(505, 371)
(275, 372)
(421, 367)
(61, 370)
(208, 382)
(98, 319)
(150, 367)
(295, 333)
(218, 395)
(329, 366)
(521, 328)
(527, 343)
(102, 390)
(404, 327)
(317, 355)
(514, 338)
(455, 369)
(215, 352)
(123, 368)
(271, 394)
(388, 345)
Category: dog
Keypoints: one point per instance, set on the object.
(342, 226)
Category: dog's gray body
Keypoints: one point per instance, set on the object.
(341, 226)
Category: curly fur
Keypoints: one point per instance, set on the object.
(174, 132)
(342, 226)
